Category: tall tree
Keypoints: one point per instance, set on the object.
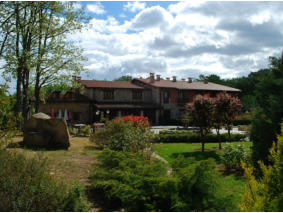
(200, 115)
(38, 51)
(218, 114)
(231, 106)
(266, 121)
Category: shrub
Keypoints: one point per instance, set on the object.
(233, 156)
(86, 131)
(120, 135)
(265, 194)
(142, 185)
(75, 131)
(243, 119)
(137, 120)
(26, 185)
(193, 137)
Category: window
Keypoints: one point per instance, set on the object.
(181, 95)
(137, 95)
(76, 116)
(108, 94)
(166, 97)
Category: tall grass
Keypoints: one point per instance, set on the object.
(27, 185)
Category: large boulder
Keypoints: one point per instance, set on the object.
(43, 131)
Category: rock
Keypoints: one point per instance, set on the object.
(43, 131)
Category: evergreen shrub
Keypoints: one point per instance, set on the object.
(137, 184)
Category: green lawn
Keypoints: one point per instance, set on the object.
(232, 185)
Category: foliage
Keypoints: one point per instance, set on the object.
(228, 108)
(262, 135)
(136, 120)
(200, 115)
(192, 137)
(266, 193)
(247, 85)
(218, 114)
(243, 119)
(233, 156)
(37, 50)
(73, 131)
(26, 185)
(142, 185)
(86, 131)
(7, 117)
(124, 78)
(269, 113)
(124, 135)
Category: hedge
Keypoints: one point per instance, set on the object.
(193, 137)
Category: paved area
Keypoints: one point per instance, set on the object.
(157, 129)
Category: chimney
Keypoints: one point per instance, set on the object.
(190, 80)
(157, 77)
(205, 81)
(167, 78)
(174, 79)
(151, 77)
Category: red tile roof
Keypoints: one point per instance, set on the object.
(184, 85)
(110, 84)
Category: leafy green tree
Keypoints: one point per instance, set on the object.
(212, 78)
(268, 116)
(200, 113)
(37, 52)
(124, 78)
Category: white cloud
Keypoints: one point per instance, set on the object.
(96, 8)
(134, 6)
(152, 17)
(206, 38)
(185, 5)
(260, 18)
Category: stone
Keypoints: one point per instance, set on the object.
(45, 132)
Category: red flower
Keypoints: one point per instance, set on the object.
(137, 120)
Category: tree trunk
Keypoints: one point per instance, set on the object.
(202, 140)
(219, 139)
(37, 93)
(18, 105)
(25, 101)
(25, 83)
(229, 134)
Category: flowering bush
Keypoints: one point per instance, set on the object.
(233, 156)
(137, 120)
(129, 133)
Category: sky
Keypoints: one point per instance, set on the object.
(179, 38)
(183, 39)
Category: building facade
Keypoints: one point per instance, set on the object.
(156, 98)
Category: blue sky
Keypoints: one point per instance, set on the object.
(183, 39)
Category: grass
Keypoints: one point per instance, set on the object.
(232, 185)
(170, 151)
(73, 164)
